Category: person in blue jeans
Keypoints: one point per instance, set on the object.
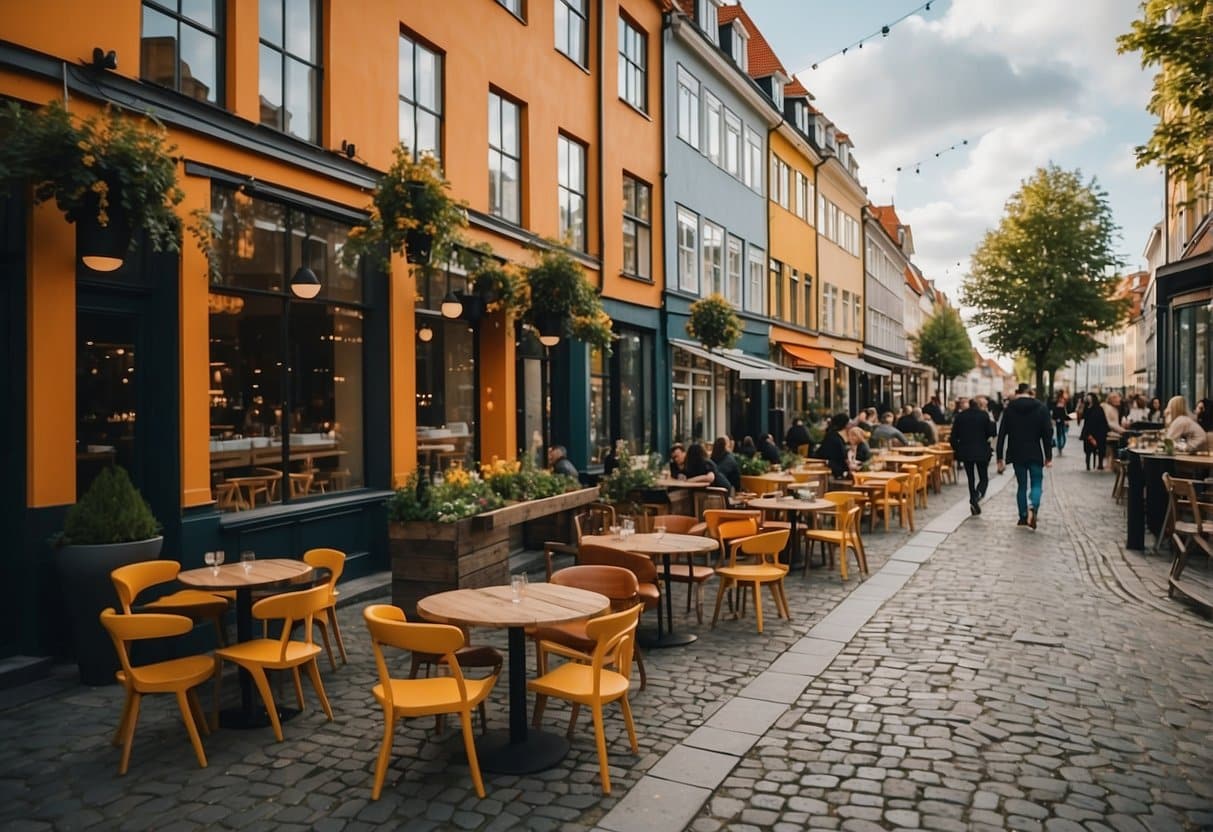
(1025, 439)
(1061, 418)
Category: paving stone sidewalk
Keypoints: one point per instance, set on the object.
(902, 702)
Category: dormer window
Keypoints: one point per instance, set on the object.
(777, 91)
(708, 19)
(842, 154)
(819, 132)
(830, 145)
(802, 117)
(741, 46)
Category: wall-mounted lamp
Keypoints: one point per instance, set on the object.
(305, 284)
(549, 340)
(425, 334)
(103, 59)
(452, 306)
(349, 149)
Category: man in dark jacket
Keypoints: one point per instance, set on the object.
(935, 411)
(797, 435)
(1026, 432)
(972, 430)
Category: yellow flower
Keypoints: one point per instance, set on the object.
(89, 160)
(100, 187)
(356, 232)
(83, 145)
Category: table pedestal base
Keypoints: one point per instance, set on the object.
(242, 720)
(540, 750)
(650, 640)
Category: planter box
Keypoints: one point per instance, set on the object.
(474, 552)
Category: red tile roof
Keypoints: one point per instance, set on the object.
(796, 89)
(687, 7)
(841, 137)
(914, 281)
(889, 220)
(763, 60)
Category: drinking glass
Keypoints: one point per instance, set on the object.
(659, 530)
(246, 560)
(629, 527)
(518, 586)
(218, 560)
(209, 559)
(615, 532)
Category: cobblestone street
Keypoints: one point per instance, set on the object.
(984, 677)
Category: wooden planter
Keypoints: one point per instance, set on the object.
(473, 552)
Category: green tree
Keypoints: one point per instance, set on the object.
(1177, 37)
(943, 344)
(1043, 282)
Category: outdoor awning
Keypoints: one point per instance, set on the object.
(857, 363)
(809, 355)
(747, 367)
(891, 360)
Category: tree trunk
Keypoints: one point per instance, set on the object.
(1052, 382)
(1038, 366)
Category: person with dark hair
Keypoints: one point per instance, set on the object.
(1026, 435)
(972, 430)
(833, 448)
(769, 450)
(1094, 433)
(726, 463)
(1154, 413)
(559, 462)
(747, 447)
(610, 461)
(699, 468)
(678, 456)
(933, 409)
(797, 435)
(1061, 420)
(1204, 414)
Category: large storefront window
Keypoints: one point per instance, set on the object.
(600, 406)
(621, 395)
(286, 375)
(1193, 346)
(106, 395)
(692, 397)
(447, 394)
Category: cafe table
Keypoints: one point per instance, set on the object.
(794, 506)
(670, 482)
(1147, 502)
(268, 573)
(519, 750)
(663, 545)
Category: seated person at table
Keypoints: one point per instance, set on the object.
(797, 435)
(915, 423)
(610, 461)
(866, 420)
(1181, 426)
(769, 450)
(697, 467)
(747, 447)
(559, 462)
(678, 456)
(726, 463)
(833, 448)
(858, 440)
(885, 432)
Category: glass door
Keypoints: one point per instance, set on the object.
(108, 392)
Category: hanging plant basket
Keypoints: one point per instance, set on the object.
(103, 229)
(418, 247)
(549, 323)
(562, 298)
(713, 323)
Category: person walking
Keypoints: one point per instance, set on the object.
(972, 430)
(1061, 420)
(1094, 433)
(1025, 439)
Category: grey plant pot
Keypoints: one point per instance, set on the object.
(85, 575)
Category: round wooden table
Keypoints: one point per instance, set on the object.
(794, 507)
(662, 546)
(270, 573)
(518, 750)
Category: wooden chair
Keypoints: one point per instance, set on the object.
(1191, 524)
(845, 535)
(131, 580)
(897, 495)
(802, 450)
(334, 561)
(403, 698)
(597, 518)
(617, 584)
(262, 654)
(920, 481)
(179, 677)
(595, 685)
(758, 485)
(692, 574)
(1120, 482)
(766, 570)
(228, 497)
(642, 566)
(711, 497)
(714, 519)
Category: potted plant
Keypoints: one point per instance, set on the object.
(110, 526)
(562, 302)
(111, 174)
(626, 486)
(713, 323)
(498, 284)
(412, 213)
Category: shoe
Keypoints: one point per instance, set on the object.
(1032, 518)
(974, 509)
(1023, 521)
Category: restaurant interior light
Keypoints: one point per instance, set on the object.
(452, 307)
(305, 284)
(425, 334)
(549, 340)
(102, 263)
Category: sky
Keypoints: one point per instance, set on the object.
(1026, 83)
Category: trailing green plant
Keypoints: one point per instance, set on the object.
(111, 511)
(111, 159)
(521, 480)
(558, 289)
(412, 197)
(816, 434)
(628, 477)
(752, 466)
(789, 460)
(459, 495)
(500, 284)
(713, 323)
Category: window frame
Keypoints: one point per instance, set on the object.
(218, 34)
(508, 5)
(740, 46)
(503, 153)
(687, 219)
(689, 128)
(713, 128)
(629, 68)
(582, 14)
(756, 261)
(567, 188)
(712, 239)
(285, 54)
(736, 298)
(640, 224)
(732, 143)
(440, 59)
(754, 159)
(709, 19)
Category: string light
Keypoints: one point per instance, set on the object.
(883, 32)
(917, 166)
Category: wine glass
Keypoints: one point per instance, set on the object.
(659, 530)
(615, 531)
(209, 559)
(218, 560)
(246, 560)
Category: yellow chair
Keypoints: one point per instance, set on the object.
(759, 485)
(845, 535)
(282, 653)
(334, 561)
(766, 570)
(431, 696)
(896, 495)
(714, 519)
(175, 676)
(593, 684)
(132, 579)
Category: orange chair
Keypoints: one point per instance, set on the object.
(715, 519)
(176, 676)
(617, 584)
(765, 570)
(262, 654)
(593, 684)
(690, 573)
(131, 580)
(844, 535)
(597, 518)
(403, 698)
(759, 485)
(641, 566)
(334, 561)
